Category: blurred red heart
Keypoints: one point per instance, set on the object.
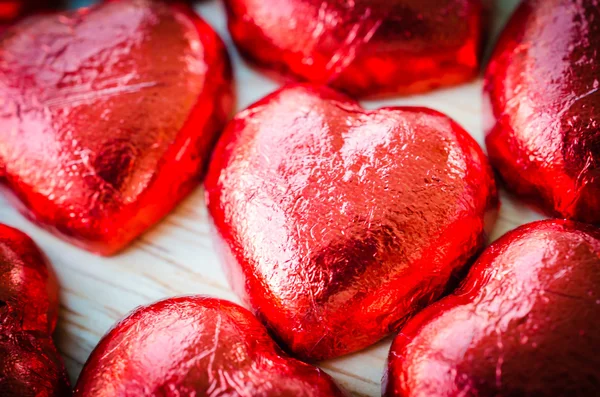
(524, 323)
(362, 47)
(30, 364)
(13, 9)
(196, 346)
(543, 115)
(28, 288)
(340, 223)
(108, 116)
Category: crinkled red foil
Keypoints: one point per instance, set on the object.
(337, 223)
(524, 323)
(108, 116)
(543, 107)
(365, 48)
(196, 346)
(29, 363)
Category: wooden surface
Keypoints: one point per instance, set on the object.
(176, 257)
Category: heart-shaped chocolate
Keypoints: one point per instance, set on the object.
(107, 116)
(543, 115)
(363, 47)
(30, 366)
(196, 346)
(28, 288)
(339, 223)
(524, 323)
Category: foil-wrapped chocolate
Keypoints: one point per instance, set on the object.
(543, 107)
(363, 47)
(196, 346)
(524, 322)
(336, 223)
(30, 365)
(108, 116)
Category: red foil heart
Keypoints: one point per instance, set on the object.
(196, 346)
(28, 288)
(524, 323)
(543, 113)
(339, 223)
(108, 116)
(362, 47)
(30, 364)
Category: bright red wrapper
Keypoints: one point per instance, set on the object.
(365, 48)
(543, 107)
(30, 365)
(337, 223)
(109, 116)
(196, 346)
(524, 322)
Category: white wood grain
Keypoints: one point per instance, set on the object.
(176, 257)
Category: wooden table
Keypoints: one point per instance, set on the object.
(176, 257)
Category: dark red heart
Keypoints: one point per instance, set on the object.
(10, 10)
(543, 117)
(28, 288)
(30, 366)
(196, 346)
(339, 223)
(362, 47)
(524, 323)
(108, 116)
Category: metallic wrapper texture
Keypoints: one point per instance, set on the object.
(363, 47)
(524, 323)
(107, 116)
(337, 223)
(196, 346)
(30, 365)
(543, 107)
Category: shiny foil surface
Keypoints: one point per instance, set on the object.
(108, 115)
(28, 288)
(30, 365)
(196, 346)
(543, 107)
(363, 47)
(524, 322)
(337, 223)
